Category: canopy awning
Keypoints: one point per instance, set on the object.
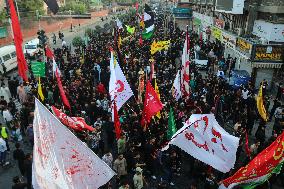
(266, 65)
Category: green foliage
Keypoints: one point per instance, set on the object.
(75, 7)
(77, 41)
(89, 32)
(27, 8)
(3, 16)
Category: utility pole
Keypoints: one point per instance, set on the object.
(17, 9)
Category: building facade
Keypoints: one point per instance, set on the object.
(252, 31)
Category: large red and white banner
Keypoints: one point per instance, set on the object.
(204, 139)
(60, 159)
(76, 123)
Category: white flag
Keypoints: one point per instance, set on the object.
(119, 89)
(55, 68)
(204, 139)
(60, 159)
(119, 24)
(185, 71)
(176, 92)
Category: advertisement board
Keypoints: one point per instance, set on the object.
(268, 53)
(217, 33)
(269, 31)
(230, 6)
(244, 46)
(229, 40)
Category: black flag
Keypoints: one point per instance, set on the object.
(52, 5)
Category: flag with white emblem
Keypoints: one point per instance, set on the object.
(119, 89)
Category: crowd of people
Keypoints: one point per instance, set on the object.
(136, 156)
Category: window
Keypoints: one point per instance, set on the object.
(30, 46)
(13, 54)
(6, 57)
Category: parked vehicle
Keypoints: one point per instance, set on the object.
(201, 60)
(31, 47)
(238, 78)
(8, 58)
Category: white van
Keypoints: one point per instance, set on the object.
(31, 47)
(8, 57)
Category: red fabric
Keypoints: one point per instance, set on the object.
(76, 123)
(261, 165)
(62, 93)
(18, 40)
(152, 71)
(48, 52)
(152, 105)
(101, 88)
(116, 122)
(140, 41)
(187, 41)
(247, 145)
(137, 7)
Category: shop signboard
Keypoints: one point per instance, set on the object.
(3, 32)
(268, 53)
(182, 12)
(219, 23)
(244, 46)
(217, 33)
(269, 31)
(229, 40)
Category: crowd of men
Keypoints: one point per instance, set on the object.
(136, 157)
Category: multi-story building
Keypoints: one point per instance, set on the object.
(252, 31)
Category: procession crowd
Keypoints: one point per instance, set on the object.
(136, 156)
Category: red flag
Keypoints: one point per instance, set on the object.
(201, 38)
(152, 72)
(76, 123)
(18, 40)
(116, 121)
(260, 168)
(137, 7)
(140, 41)
(48, 52)
(61, 90)
(187, 40)
(247, 145)
(152, 104)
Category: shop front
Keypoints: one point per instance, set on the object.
(266, 60)
(242, 53)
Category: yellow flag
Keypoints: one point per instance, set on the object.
(119, 42)
(260, 105)
(142, 24)
(158, 115)
(160, 45)
(39, 90)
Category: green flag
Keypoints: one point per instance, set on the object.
(38, 68)
(130, 30)
(171, 125)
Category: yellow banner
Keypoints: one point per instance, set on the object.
(217, 33)
(158, 46)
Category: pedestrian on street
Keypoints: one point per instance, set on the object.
(19, 155)
(28, 170)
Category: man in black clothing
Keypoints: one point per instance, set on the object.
(19, 155)
(28, 168)
(18, 184)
